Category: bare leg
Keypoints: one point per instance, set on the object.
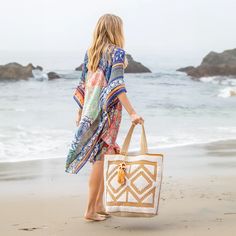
(99, 206)
(94, 185)
(99, 201)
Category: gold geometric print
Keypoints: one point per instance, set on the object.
(115, 188)
(140, 187)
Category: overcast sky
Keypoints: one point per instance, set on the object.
(152, 27)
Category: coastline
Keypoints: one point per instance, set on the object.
(198, 196)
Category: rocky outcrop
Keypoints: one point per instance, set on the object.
(186, 69)
(53, 75)
(79, 68)
(133, 66)
(214, 64)
(15, 71)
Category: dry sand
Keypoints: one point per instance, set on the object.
(198, 197)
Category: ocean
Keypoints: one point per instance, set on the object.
(37, 117)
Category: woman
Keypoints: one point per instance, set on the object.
(100, 95)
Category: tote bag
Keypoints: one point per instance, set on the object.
(132, 183)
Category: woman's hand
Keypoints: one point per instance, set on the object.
(136, 119)
(78, 117)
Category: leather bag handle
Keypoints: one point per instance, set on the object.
(143, 141)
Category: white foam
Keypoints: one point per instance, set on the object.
(39, 75)
(23, 144)
(202, 136)
(207, 79)
(220, 80)
(154, 148)
(227, 92)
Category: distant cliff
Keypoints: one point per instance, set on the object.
(133, 66)
(214, 64)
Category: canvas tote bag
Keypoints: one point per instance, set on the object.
(132, 183)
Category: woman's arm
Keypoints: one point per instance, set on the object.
(136, 119)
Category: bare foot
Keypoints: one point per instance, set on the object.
(94, 217)
(104, 213)
(100, 208)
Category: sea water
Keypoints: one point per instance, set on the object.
(37, 117)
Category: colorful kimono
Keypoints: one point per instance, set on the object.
(96, 94)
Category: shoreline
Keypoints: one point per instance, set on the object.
(152, 149)
(198, 197)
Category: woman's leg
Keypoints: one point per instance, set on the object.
(99, 202)
(99, 206)
(94, 186)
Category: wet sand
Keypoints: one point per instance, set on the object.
(198, 197)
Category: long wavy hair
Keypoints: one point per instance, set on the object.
(108, 32)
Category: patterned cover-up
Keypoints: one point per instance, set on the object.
(96, 94)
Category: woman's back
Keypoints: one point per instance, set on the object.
(96, 83)
(97, 97)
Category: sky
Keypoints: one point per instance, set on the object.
(156, 31)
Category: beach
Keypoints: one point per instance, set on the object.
(179, 77)
(198, 196)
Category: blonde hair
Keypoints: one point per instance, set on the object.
(108, 31)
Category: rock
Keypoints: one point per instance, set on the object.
(79, 68)
(214, 64)
(186, 69)
(232, 93)
(39, 68)
(53, 75)
(15, 71)
(133, 66)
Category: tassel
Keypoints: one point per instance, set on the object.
(121, 173)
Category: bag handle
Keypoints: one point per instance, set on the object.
(143, 141)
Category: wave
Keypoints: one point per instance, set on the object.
(207, 79)
(167, 146)
(220, 80)
(39, 75)
(151, 149)
(42, 144)
(227, 92)
(21, 144)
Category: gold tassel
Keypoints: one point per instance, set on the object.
(121, 173)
